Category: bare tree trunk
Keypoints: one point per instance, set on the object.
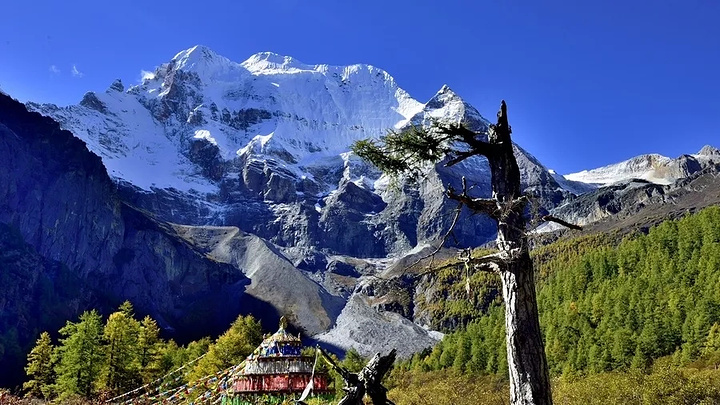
(368, 380)
(529, 380)
(527, 365)
(372, 375)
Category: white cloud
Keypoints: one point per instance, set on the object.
(146, 75)
(54, 69)
(75, 72)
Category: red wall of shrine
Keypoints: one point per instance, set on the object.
(279, 383)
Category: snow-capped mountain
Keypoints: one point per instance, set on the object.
(623, 189)
(654, 168)
(264, 145)
(253, 159)
(269, 105)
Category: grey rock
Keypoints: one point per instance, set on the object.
(90, 100)
(117, 85)
(207, 156)
(343, 269)
(368, 331)
(280, 187)
(708, 150)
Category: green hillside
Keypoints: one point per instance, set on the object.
(610, 306)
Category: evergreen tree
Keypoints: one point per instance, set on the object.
(167, 358)
(40, 369)
(80, 356)
(353, 361)
(711, 347)
(122, 370)
(149, 350)
(621, 307)
(231, 348)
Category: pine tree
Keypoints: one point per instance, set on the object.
(353, 361)
(231, 347)
(80, 356)
(711, 348)
(149, 349)
(40, 369)
(122, 371)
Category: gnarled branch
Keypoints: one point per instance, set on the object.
(488, 206)
(459, 157)
(550, 218)
(432, 254)
(485, 205)
(496, 258)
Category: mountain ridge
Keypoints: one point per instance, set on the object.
(260, 150)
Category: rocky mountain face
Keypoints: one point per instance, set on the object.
(230, 187)
(69, 243)
(643, 181)
(264, 145)
(254, 159)
(653, 168)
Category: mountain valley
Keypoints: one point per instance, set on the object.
(215, 188)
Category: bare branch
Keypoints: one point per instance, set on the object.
(460, 157)
(519, 203)
(436, 269)
(488, 268)
(550, 218)
(484, 205)
(493, 263)
(496, 258)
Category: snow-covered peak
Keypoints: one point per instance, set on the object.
(270, 62)
(447, 106)
(653, 167)
(196, 55)
(450, 103)
(268, 107)
(203, 61)
(708, 150)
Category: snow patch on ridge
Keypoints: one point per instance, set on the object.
(651, 167)
(205, 134)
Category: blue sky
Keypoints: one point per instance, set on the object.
(587, 83)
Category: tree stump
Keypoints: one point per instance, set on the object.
(368, 380)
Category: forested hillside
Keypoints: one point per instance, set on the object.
(96, 358)
(606, 306)
(633, 321)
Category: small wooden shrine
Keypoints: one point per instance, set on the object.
(277, 367)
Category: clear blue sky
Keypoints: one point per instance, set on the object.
(587, 83)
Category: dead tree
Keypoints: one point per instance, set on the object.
(354, 388)
(368, 380)
(372, 375)
(397, 152)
